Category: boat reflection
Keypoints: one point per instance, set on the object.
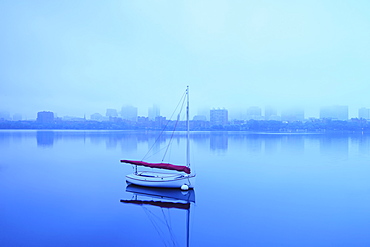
(162, 193)
(164, 199)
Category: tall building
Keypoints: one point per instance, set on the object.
(336, 112)
(291, 115)
(219, 117)
(270, 113)
(254, 112)
(129, 113)
(153, 112)
(45, 117)
(364, 113)
(111, 113)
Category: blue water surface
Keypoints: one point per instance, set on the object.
(63, 188)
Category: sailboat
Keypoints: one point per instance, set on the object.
(184, 178)
(165, 199)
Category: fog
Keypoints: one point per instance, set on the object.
(82, 57)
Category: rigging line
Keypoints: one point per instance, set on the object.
(173, 132)
(161, 232)
(159, 219)
(168, 224)
(171, 229)
(169, 142)
(181, 99)
(147, 157)
(155, 225)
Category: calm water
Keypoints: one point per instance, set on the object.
(63, 188)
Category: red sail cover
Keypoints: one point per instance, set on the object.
(159, 204)
(159, 165)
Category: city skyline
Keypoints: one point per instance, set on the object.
(131, 113)
(236, 112)
(81, 58)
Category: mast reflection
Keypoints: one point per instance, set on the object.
(171, 199)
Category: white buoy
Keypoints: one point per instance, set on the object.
(184, 187)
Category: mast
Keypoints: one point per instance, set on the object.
(187, 164)
(188, 227)
(187, 129)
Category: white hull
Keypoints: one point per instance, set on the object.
(161, 180)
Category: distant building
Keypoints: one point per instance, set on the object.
(292, 115)
(334, 112)
(45, 117)
(254, 112)
(153, 112)
(4, 115)
(271, 113)
(129, 113)
(111, 113)
(219, 117)
(160, 122)
(74, 119)
(364, 113)
(200, 118)
(142, 119)
(17, 117)
(204, 112)
(97, 117)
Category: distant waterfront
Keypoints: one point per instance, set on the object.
(321, 126)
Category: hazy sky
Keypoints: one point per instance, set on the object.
(82, 57)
